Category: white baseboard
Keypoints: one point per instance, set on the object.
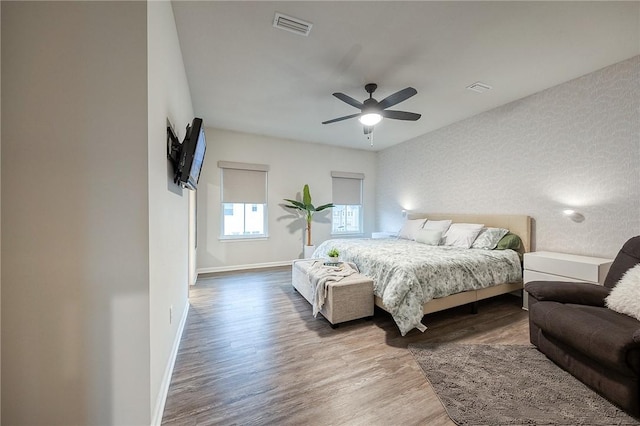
(243, 267)
(156, 420)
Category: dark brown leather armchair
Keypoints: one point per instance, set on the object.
(570, 324)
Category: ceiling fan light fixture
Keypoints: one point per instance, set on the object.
(370, 119)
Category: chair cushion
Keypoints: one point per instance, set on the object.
(598, 333)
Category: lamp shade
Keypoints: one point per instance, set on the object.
(370, 119)
(573, 215)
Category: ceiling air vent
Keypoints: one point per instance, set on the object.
(291, 24)
(479, 87)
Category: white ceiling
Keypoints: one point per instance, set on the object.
(248, 76)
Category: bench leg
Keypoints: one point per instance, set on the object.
(474, 307)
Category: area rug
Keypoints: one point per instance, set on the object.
(510, 385)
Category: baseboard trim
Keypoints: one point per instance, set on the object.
(168, 372)
(242, 267)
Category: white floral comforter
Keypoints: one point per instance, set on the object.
(407, 274)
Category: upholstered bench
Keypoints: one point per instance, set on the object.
(348, 299)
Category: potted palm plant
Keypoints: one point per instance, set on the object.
(307, 209)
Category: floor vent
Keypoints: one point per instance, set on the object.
(479, 87)
(291, 24)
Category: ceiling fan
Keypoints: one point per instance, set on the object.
(372, 111)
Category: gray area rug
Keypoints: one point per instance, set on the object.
(510, 385)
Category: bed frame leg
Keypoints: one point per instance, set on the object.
(474, 307)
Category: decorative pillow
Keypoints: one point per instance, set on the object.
(509, 241)
(462, 234)
(488, 238)
(438, 225)
(410, 228)
(625, 296)
(431, 237)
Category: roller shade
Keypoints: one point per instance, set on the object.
(244, 182)
(347, 188)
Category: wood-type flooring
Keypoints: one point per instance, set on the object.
(253, 354)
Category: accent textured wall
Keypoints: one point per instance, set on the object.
(576, 145)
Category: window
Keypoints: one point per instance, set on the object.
(346, 216)
(243, 200)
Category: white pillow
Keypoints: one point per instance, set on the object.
(488, 238)
(431, 237)
(625, 296)
(462, 234)
(410, 228)
(438, 225)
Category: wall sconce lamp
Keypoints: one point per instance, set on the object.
(573, 215)
(404, 213)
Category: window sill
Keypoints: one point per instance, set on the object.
(237, 239)
(350, 235)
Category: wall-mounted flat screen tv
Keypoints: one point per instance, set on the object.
(191, 156)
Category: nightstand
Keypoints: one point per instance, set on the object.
(376, 235)
(550, 266)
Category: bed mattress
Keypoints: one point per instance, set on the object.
(407, 274)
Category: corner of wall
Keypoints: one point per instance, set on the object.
(0, 218)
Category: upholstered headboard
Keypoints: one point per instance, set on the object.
(516, 223)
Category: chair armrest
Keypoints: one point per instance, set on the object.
(568, 292)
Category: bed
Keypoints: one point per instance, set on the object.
(404, 271)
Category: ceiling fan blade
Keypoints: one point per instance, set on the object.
(340, 118)
(348, 99)
(401, 115)
(397, 97)
(368, 129)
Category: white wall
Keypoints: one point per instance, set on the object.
(576, 145)
(193, 206)
(75, 210)
(293, 164)
(0, 218)
(169, 98)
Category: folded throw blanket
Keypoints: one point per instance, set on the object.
(320, 275)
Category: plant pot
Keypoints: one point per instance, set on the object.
(308, 251)
(333, 260)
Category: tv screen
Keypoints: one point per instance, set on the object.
(191, 156)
